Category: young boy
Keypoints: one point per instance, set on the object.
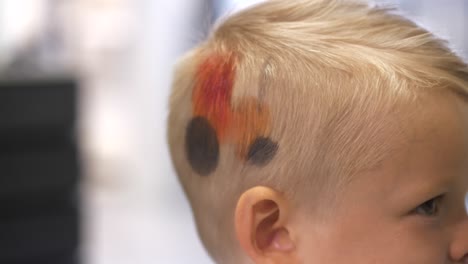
(323, 132)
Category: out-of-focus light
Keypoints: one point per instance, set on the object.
(223, 6)
(20, 20)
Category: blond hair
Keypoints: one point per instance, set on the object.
(329, 79)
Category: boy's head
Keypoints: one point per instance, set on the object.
(323, 132)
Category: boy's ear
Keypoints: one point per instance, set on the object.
(262, 226)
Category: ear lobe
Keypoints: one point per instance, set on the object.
(262, 226)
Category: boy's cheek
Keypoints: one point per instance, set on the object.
(403, 243)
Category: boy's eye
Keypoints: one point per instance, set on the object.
(466, 203)
(429, 208)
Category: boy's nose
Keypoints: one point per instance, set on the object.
(459, 247)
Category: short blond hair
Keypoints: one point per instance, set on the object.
(318, 84)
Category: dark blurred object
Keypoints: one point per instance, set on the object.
(39, 173)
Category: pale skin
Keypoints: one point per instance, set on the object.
(409, 210)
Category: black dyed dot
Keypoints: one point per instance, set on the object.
(261, 151)
(202, 146)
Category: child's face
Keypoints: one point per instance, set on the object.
(409, 210)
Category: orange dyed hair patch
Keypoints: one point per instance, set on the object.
(217, 121)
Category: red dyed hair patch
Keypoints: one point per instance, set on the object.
(217, 121)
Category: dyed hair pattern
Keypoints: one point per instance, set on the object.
(217, 121)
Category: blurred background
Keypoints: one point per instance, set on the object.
(84, 84)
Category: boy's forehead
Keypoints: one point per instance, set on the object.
(438, 142)
(464, 115)
(430, 158)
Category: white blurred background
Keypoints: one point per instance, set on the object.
(123, 52)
